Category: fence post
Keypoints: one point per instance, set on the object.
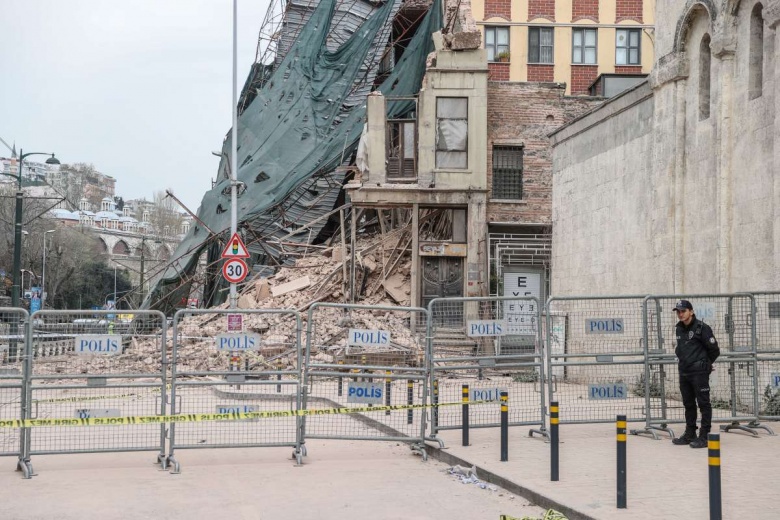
(388, 386)
(504, 426)
(554, 456)
(341, 382)
(713, 446)
(621, 461)
(465, 429)
(410, 400)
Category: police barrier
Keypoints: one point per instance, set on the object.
(255, 365)
(364, 355)
(492, 344)
(84, 364)
(595, 357)
(733, 382)
(768, 353)
(13, 346)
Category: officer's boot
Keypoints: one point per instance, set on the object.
(700, 441)
(686, 438)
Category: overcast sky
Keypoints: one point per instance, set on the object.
(139, 88)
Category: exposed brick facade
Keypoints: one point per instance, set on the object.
(523, 114)
(540, 72)
(541, 9)
(585, 9)
(498, 71)
(500, 8)
(582, 76)
(628, 69)
(628, 10)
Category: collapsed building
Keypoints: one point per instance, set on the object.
(374, 142)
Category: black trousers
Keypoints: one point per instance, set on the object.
(696, 388)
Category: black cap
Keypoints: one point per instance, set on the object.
(681, 305)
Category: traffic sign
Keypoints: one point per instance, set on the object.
(235, 270)
(235, 248)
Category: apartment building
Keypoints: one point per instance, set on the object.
(595, 47)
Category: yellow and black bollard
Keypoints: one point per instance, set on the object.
(465, 400)
(410, 401)
(435, 411)
(621, 462)
(713, 446)
(504, 426)
(388, 388)
(554, 455)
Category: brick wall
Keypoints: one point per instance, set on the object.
(628, 69)
(523, 114)
(582, 76)
(498, 71)
(628, 10)
(541, 9)
(501, 8)
(540, 72)
(585, 9)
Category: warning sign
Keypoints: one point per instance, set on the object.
(235, 248)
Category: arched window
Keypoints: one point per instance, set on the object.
(705, 60)
(756, 61)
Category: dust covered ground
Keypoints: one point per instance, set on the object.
(345, 480)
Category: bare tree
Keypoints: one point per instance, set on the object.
(164, 216)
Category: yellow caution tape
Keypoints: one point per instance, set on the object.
(85, 398)
(203, 417)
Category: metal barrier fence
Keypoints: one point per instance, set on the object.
(13, 348)
(595, 357)
(361, 357)
(733, 383)
(492, 345)
(254, 365)
(768, 354)
(86, 364)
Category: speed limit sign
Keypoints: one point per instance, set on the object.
(235, 270)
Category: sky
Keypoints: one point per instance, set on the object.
(139, 88)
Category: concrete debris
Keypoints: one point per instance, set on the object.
(294, 285)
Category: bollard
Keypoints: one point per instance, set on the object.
(504, 426)
(713, 446)
(341, 382)
(465, 406)
(388, 385)
(435, 412)
(410, 401)
(554, 455)
(621, 461)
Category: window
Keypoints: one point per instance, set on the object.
(496, 42)
(756, 59)
(704, 78)
(540, 45)
(452, 132)
(508, 172)
(627, 47)
(584, 46)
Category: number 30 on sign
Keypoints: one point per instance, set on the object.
(235, 270)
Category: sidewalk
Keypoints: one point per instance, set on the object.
(664, 481)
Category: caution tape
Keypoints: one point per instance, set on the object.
(205, 417)
(78, 399)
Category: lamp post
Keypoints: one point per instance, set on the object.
(43, 271)
(18, 223)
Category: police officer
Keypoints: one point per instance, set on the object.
(696, 350)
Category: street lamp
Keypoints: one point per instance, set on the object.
(18, 223)
(43, 271)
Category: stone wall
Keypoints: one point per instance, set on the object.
(651, 193)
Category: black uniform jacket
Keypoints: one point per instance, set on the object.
(696, 348)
